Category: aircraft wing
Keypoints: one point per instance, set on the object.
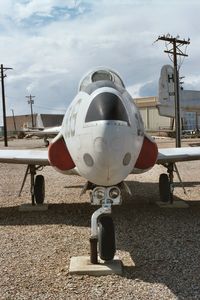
(29, 157)
(40, 157)
(167, 155)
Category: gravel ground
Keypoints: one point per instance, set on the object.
(160, 248)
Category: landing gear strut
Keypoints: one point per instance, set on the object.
(102, 227)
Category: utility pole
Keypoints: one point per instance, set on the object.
(31, 102)
(14, 119)
(4, 104)
(175, 51)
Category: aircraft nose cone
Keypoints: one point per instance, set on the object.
(109, 163)
(108, 154)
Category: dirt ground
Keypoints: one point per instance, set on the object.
(160, 248)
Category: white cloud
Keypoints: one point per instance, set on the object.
(50, 54)
(24, 11)
(41, 8)
(134, 90)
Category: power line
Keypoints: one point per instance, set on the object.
(175, 51)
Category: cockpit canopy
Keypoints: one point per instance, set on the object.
(107, 106)
(101, 75)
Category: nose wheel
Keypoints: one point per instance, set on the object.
(106, 238)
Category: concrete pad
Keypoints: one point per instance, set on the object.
(30, 207)
(81, 265)
(175, 204)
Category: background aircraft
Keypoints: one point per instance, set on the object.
(189, 99)
(44, 133)
(102, 138)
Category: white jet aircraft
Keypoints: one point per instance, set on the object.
(102, 138)
(189, 99)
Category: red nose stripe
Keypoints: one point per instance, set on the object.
(148, 155)
(59, 156)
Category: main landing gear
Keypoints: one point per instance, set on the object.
(102, 227)
(46, 141)
(39, 189)
(37, 185)
(166, 183)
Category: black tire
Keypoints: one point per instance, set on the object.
(39, 189)
(106, 238)
(164, 188)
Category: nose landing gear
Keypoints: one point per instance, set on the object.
(102, 227)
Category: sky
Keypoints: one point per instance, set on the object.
(51, 44)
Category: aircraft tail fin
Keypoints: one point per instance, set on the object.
(166, 92)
